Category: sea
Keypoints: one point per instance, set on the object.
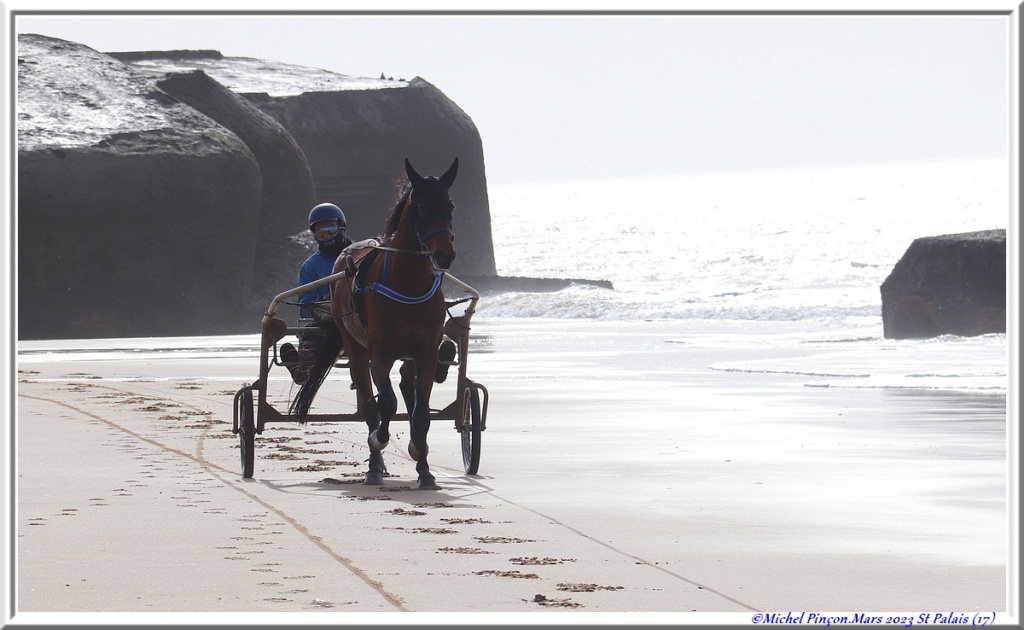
(795, 256)
(784, 266)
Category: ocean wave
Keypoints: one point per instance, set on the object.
(779, 246)
(580, 301)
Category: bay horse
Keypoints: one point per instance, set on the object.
(392, 309)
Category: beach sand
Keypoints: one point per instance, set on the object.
(619, 473)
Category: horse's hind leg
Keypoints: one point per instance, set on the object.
(407, 385)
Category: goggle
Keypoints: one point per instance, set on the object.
(328, 231)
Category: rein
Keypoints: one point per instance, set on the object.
(422, 238)
(414, 252)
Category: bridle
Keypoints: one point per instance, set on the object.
(421, 237)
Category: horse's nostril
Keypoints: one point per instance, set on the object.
(443, 260)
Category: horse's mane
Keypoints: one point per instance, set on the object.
(404, 187)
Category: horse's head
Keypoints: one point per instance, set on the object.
(432, 209)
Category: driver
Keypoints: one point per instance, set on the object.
(327, 223)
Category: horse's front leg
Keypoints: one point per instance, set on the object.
(387, 403)
(419, 418)
(360, 372)
(376, 468)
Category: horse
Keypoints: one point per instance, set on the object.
(391, 308)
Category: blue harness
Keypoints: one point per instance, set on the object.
(382, 287)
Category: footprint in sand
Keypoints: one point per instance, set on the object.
(320, 465)
(464, 521)
(543, 600)
(508, 574)
(463, 550)
(535, 561)
(320, 603)
(282, 456)
(405, 512)
(587, 588)
(501, 540)
(426, 530)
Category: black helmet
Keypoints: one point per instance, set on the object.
(326, 212)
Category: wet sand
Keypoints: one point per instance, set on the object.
(619, 473)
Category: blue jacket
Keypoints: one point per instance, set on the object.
(316, 266)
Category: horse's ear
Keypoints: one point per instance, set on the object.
(414, 177)
(449, 176)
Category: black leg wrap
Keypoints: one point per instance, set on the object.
(375, 475)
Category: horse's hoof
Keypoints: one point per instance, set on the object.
(428, 483)
(414, 452)
(374, 478)
(374, 443)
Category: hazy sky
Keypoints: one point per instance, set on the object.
(593, 96)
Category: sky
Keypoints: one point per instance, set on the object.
(594, 96)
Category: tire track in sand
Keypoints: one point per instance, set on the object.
(216, 471)
(219, 473)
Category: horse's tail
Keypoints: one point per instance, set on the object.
(324, 356)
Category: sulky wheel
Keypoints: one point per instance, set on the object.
(470, 431)
(247, 433)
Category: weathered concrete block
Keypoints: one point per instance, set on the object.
(163, 193)
(136, 214)
(953, 284)
(356, 142)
